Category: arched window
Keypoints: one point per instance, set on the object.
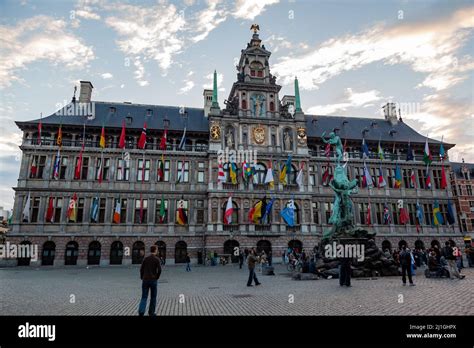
(272, 106)
(138, 252)
(244, 104)
(72, 252)
(116, 253)
(264, 245)
(49, 251)
(180, 251)
(295, 245)
(93, 254)
(435, 242)
(22, 260)
(260, 173)
(419, 244)
(161, 250)
(402, 243)
(229, 248)
(235, 213)
(297, 214)
(386, 245)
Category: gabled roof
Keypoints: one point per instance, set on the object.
(457, 168)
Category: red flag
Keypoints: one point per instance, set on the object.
(327, 150)
(122, 137)
(142, 140)
(100, 170)
(50, 211)
(369, 221)
(444, 183)
(77, 171)
(34, 168)
(404, 217)
(163, 140)
(412, 179)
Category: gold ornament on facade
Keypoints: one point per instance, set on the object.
(301, 132)
(215, 131)
(259, 135)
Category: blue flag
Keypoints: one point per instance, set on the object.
(288, 214)
(419, 213)
(365, 149)
(95, 209)
(268, 209)
(450, 216)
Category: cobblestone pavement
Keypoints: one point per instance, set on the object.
(222, 290)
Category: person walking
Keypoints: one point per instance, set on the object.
(150, 272)
(251, 260)
(406, 262)
(188, 263)
(448, 254)
(241, 259)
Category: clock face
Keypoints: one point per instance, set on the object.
(259, 135)
(215, 132)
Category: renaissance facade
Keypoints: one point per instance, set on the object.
(128, 194)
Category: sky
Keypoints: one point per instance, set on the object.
(350, 57)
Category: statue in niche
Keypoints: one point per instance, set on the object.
(287, 141)
(229, 138)
(258, 105)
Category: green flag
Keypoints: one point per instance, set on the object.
(162, 209)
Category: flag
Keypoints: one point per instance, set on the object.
(142, 140)
(419, 213)
(398, 177)
(442, 153)
(326, 179)
(288, 214)
(77, 170)
(162, 209)
(382, 182)
(59, 139)
(122, 137)
(437, 216)
(40, 127)
(269, 175)
(256, 212)
(412, 179)
(450, 216)
(368, 218)
(246, 171)
(410, 156)
(387, 219)
(427, 155)
(233, 173)
(229, 209)
(365, 149)
(99, 171)
(164, 139)
(299, 177)
(380, 152)
(102, 138)
(444, 183)
(161, 173)
(26, 210)
(181, 173)
(285, 171)
(34, 168)
(50, 211)
(57, 166)
(327, 150)
(428, 179)
(117, 212)
(182, 143)
(267, 212)
(95, 209)
(367, 178)
(181, 217)
(220, 174)
(404, 217)
(72, 209)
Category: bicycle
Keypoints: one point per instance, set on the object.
(295, 266)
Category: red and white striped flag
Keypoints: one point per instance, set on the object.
(228, 212)
(220, 174)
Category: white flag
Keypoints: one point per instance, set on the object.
(26, 211)
(299, 178)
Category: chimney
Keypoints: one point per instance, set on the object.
(390, 113)
(207, 101)
(85, 93)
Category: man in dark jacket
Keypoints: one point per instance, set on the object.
(345, 272)
(405, 262)
(448, 253)
(241, 259)
(150, 272)
(252, 259)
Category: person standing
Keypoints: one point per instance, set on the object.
(188, 263)
(406, 263)
(345, 272)
(241, 259)
(451, 259)
(251, 260)
(150, 272)
(270, 256)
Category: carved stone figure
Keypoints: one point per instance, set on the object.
(287, 140)
(232, 106)
(229, 139)
(334, 140)
(258, 105)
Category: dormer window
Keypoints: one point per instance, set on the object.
(128, 120)
(149, 112)
(112, 110)
(256, 69)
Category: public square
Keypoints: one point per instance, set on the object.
(222, 290)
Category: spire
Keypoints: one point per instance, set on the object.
(215, 103)
(297, 97)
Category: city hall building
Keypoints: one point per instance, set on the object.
(127, 198)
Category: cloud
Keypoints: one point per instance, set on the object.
(188, 85)
(210, 78)
(208, 20)
(427, 47)
(39, 38)
(106, 76)
(249, 9)
(351, 99)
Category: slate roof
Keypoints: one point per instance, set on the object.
(456, 166)
(197, 122)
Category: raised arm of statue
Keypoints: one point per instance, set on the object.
(323, 138)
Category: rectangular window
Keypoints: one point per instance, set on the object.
(123, 170)
(141, 210)
(428, 213)
(406, 177)
(260, 73)
(105, 169)
(58, 203)
(443, 208)
(421, 178)
(185, 207)
(158, 218)
(412, 213)
(200, 172)
(167, 171)
(85, 167)
(200, 212)
(35, 203)
(379, 213)
(123, 209)
(391, 177)
(363, 208)
(437, 178)
(312, 175)
(328, 210)
(62, 167)
(359, 174)
(323, 172)
(186, 171)
(395, 214)
(102, 210)
(143, 172)
(40, 162)
(80, 210)
(469, 190)
(315, 213)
